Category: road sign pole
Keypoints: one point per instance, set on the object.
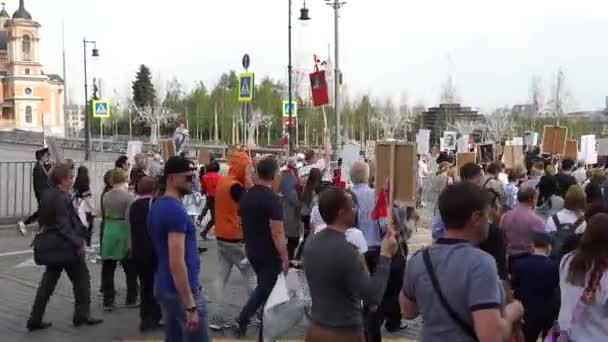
(289, 71)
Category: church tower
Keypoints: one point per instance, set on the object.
(23, 39)
(30, 99)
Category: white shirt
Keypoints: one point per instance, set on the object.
(580, 175)
(353, 235)
(594, 326)
(423, 169)
(566, 216)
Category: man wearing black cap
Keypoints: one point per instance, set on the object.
(40, 184)
(174, 237)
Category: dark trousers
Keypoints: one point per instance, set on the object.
(81, 286)
(149, 310)
(267, 273)
(532, 328)
(292, 244)
(108, 268)
(209, 206)
(389, 311)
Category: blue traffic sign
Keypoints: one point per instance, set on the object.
(101, 108)
(246, 87)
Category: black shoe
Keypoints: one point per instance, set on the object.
(202, 250)
(33, 326)
(87, 321)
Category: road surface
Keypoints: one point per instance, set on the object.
(19, 278)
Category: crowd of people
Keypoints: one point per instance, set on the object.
(517, 254)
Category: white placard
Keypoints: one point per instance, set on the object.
(350, 154)
(530, 138)
(449, 141)
(462, 144)
(516, 141)
(133, 147)
(370, 150)
(423, 141)
(602, 147)
(588, 152)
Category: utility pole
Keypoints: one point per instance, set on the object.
(336, 5)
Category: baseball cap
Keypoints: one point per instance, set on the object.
(178, 165)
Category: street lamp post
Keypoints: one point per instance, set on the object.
(336, 5)
(87, 112)
(303, 16)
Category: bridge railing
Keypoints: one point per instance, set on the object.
(17, 200)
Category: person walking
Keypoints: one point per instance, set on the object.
(337, 280)
(83, 201)
(549, 201)
(520, 223)
(138, 171)
(292, 207)
(57, 213)
(535, 279)
(229, 231)
(173, 235)
(116, 243)
(261, 213)
(454, 285)
(584, 285)
(143, 255)
(209, 188)
(40, 177)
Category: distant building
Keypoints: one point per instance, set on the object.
(31, 100)
(75, 117)
(436, 119)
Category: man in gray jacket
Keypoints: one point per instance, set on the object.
(291, 207)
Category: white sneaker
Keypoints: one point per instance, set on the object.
(21, 228)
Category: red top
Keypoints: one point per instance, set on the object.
(209, 183)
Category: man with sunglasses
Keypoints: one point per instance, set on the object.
(174, 238)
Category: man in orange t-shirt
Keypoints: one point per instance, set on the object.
(228, 229)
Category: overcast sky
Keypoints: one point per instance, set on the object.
(388, 47)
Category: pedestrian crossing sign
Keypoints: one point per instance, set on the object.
(101, 108)
(287, 109)
(246, 87)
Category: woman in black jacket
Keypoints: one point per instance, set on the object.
(57, 213)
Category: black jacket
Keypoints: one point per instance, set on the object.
(40, 179)
(142, 247)
(57, 210)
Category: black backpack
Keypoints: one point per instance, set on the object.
(564, 232)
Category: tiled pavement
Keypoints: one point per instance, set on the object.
(19, 280)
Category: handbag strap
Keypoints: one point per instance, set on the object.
(431, 271)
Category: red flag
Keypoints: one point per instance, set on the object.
(284, 140)
(381, 209)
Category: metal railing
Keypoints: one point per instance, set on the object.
(17, 200)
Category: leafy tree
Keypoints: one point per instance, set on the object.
(143, 89)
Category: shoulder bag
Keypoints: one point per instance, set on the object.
(446, 306)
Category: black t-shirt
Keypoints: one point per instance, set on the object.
(257, 208)
(496, 246)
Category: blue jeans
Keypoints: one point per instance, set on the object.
(174, 315)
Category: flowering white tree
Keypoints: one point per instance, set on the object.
(256, 120)
(391, 120)
(153, 117)
(498, 125)
(465, 127)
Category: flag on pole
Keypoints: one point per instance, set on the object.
(381, 209)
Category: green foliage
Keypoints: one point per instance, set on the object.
(143, 89)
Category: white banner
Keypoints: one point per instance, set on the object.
(423, 141)
(133, 147)
(588, 152)
(462, 144)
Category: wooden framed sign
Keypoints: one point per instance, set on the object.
(465, 158)
(396, 165)
(554, 140)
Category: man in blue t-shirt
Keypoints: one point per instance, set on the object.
(174, 238)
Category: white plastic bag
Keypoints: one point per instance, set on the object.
(279, 294)
(281, 315)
